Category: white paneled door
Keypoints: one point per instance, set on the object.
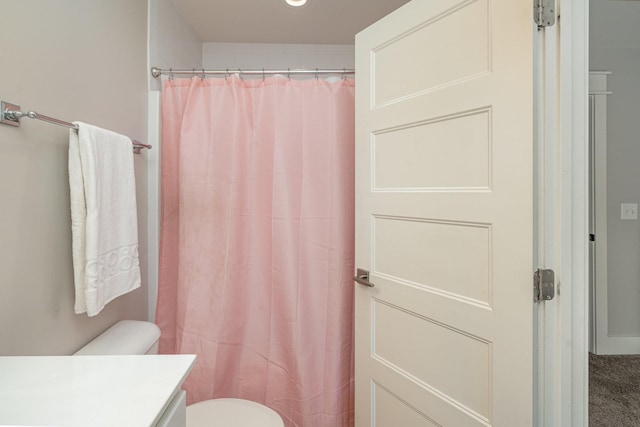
(444, 216)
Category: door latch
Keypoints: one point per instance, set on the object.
(362, 277)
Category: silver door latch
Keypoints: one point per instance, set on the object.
(362, 277)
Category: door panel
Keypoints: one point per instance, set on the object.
(444, 167)
(427, 155)
(461, 55)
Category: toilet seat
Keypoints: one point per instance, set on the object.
(231, 413)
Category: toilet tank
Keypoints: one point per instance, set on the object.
(125, 337)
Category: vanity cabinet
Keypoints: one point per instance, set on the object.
(94, 391)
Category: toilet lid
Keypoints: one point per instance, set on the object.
(231, 413)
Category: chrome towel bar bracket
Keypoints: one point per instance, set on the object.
(8, 114)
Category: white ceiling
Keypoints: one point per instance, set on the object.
(271, 21)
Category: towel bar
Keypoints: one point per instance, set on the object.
(11, 115)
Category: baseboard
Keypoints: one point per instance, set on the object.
(618, 345)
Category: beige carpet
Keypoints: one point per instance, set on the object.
(614, 391)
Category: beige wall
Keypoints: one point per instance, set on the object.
(615, 47)
(73, 60)
(277, 56)
(172, 44)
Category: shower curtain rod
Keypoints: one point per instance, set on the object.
(11, 115)
(157, 72)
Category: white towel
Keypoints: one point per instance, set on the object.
(103, 217)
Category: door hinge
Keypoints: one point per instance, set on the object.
(544, 288)
(544, 12)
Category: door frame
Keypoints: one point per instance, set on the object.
(573, 296)
(547, 221)
(599, 340)
(561, 329)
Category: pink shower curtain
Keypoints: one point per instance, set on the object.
(257, 251)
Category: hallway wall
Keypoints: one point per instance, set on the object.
(615, 47)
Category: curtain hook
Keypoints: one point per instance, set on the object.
(316, 74)
(193, 71)
(227, 74)
(203, 74)
(344, 74)
(289, 73)
(170, 73)
(263, 74)
(240, 73)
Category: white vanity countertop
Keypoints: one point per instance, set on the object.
(89, 391)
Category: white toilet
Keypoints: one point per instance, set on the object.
(138, 337)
